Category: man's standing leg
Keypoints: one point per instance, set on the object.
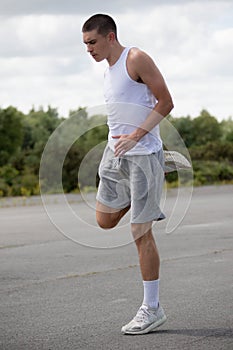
(150, 315)
(149, 262)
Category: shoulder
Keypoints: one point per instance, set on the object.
(135, 54)
(139, 60)
(140, 65)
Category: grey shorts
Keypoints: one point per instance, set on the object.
(135, 181)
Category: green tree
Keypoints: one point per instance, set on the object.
(206, 128)
(11, 133)
(37, 126)
(217, 150)
(184, 126)
(227, 129)
(95, 131)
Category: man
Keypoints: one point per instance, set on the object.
(131, 174)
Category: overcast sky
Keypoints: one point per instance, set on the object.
(43, 60)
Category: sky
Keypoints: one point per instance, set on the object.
(43, 60)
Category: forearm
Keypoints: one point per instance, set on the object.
(153, 119)
(127, 142)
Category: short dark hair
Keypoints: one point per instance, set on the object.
(104, 24)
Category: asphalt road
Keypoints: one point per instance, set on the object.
(60, 294)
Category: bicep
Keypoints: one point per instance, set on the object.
(152, 77)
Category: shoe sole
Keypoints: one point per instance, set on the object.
(151, 328)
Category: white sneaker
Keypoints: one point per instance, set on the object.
(145, 321)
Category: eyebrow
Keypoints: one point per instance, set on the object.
(89, 41)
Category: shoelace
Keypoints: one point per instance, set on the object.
(142, 314)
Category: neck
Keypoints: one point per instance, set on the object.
(115, 53)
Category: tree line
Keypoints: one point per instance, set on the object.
(23, 138)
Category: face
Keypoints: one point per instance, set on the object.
(97, 45)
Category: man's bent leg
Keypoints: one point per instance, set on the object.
(107, 217)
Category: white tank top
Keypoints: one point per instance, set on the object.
(128, 105)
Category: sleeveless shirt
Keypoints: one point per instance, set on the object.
(128, 104)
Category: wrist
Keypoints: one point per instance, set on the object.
(137, 134)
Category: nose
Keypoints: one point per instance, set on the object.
(89, 48)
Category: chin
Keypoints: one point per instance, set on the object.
(98, 59)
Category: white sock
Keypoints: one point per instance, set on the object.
(151, 293)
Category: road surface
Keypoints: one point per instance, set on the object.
(65, 284)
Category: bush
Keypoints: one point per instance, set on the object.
(8, 173)
(4, 188)
(218, 150)
(212, 172)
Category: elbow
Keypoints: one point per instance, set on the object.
(165, 106)
(170, 105)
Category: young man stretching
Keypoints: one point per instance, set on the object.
(131, 169)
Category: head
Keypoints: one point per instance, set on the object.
(103, 24)
(99, 33)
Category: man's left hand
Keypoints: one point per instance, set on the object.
(124, 144)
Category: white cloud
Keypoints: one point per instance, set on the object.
(43, 60)
(40, 35)
(194, 53)
(14, 7)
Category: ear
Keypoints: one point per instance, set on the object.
(111, 37)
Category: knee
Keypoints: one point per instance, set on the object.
(146, 244)
(141, 240)
(105, 224)
(142, 233)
